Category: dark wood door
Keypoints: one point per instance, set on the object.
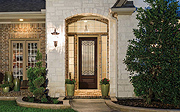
(87, 63)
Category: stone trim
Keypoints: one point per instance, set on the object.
(8, 98)
(22, 103)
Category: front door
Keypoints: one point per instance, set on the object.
(87, 63)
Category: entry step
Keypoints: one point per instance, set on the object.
(87, 93)
(87, 97)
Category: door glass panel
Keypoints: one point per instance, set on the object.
(18, 60)
(104, 56)
(87, 26)
(32, 51)
(88, 58)
(71, 55)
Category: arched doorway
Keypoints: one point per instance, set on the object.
(87, 50)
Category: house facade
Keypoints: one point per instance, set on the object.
(85, 40)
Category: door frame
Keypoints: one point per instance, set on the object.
(24, 40)
(98, 72)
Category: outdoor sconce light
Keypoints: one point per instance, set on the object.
(55, 43)
(55, 33)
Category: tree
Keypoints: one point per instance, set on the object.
(153, 57)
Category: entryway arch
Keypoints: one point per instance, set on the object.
(87, 50)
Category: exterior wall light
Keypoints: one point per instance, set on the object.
(55, 33)
(21, 19)
(55, 43)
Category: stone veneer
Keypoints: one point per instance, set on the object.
(126, 24)
(20, 31)
(59, 10)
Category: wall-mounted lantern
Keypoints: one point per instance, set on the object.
(55, 43)
(55, 33)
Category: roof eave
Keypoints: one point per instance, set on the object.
(123, 11)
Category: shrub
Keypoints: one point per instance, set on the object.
(44, 99)
(38, 81)
(37, 77)
(153, 56)
(5, 84)
(55, 101)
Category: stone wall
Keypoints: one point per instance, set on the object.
(19, 31)
(56, 13)
(126, 24)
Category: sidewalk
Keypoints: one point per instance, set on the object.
(90, 105)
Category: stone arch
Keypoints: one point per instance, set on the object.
(86, 11)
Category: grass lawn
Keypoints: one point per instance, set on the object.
(11, 106)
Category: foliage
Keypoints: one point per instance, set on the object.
(39, 92)
(55, 101)
(6, 84)
(154, 56)
(44, 99)
(38, 81)
(70, 81)
(31, 99)
(37, 77)
(104, 81)
(11, 106)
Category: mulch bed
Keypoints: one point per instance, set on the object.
(50, 100)
(22, 92)
(141, 103)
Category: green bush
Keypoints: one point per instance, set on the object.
(39, 92)
(55, 101)
(44, 99)
(31, 99)
(38, 81)
(37, 77)
(153, 57)
(6, 84)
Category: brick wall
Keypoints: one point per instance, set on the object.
(19, 31)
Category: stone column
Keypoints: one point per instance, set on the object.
(113, 56)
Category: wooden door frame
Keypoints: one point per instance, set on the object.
(24, 40)
(95, 39)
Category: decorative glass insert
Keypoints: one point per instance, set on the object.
(71, 55)
(104, 56)
(32, 51)
(87, 26)
(88, 58)
(18, 60)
